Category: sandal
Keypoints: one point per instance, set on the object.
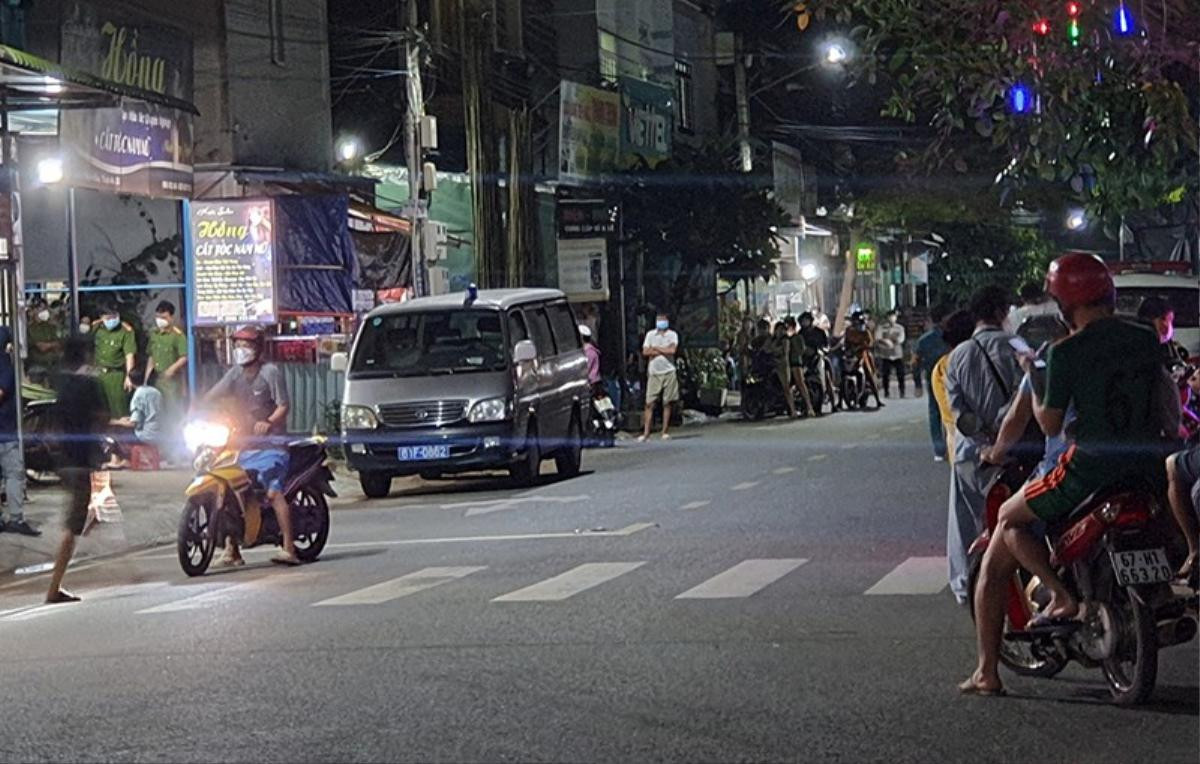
(60, 596)
(970, 687)
(231, 562)
(283, 558)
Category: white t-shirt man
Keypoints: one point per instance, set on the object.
(661, 338)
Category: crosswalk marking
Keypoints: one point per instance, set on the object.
(570, 583)
(697, 504)
(742, 580)
(744, 486)
(818, 457)
(419, 581)
(783, 470)
(916, 575)
(206, 598)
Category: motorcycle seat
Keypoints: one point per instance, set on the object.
(1094, 499)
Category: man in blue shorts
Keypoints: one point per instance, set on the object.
(262, 402)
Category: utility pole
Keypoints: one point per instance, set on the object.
(743, 108)
(414, 112)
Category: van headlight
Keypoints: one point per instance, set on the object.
(358, 418)
(489, 410)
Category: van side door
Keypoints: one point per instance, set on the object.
(548, 407)
(571, 370)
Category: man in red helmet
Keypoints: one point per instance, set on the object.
(261, 395)
(1111, 371)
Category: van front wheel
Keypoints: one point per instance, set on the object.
(376, 485)
(527, 471)
(569, 459)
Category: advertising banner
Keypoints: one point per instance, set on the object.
(233, 255)
(583, 269)
(136, 148)
(589, 132)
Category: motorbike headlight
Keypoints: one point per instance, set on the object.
(358, 418)
(199, 434)
(490, 410)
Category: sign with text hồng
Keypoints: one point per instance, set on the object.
(233, 257)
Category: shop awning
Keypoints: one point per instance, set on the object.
(28, 82)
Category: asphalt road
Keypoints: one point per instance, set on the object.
(743, 592)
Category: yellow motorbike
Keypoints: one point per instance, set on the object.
(226, 500)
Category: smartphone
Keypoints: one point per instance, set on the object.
(1021, 346)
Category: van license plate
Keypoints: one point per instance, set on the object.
(1141, 566)
(422, 453)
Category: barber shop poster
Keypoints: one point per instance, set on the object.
(233, 261)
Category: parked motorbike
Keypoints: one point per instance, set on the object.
(762, 392)
(602, 419)
(818, 377)
(855, 387)
(1116, 553)
(224, 499)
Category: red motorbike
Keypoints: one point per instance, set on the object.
(1117, 553)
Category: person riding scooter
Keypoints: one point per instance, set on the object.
(261, 396)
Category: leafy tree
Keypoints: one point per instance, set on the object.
(1109, 115)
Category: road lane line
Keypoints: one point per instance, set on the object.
(487, 507)
(783, 470)
(221, 593)
(744, 486)
(742, 580)
(818, 457)
(849, 446)
(386, 591)
(570, 583)
(896, 428)
(697, 504)
(916, 575)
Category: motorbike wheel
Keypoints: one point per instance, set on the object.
(197, 537)
(1133, 669)
(310, 518)
(1019, 657)
(754, 407)
(849, 395)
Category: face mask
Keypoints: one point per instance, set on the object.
(43, 315)
(111, 323)
(243, 356)
(161, 322)
(662, 325)
(85, 328)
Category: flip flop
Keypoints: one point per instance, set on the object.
(970, 688)
(231, 562)
(283, 558)
(60, 596)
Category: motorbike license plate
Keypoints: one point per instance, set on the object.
(422, 453)
(1141, 566)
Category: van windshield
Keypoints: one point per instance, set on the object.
(430, 343)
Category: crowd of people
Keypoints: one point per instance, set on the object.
(1088, 397)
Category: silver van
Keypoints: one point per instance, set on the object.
(465, 382)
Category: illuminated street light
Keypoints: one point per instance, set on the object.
(349, 149)
(50, 170)
(809, 271)
(835, 53)
(1077, 220)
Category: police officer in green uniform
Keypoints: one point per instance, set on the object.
(115, 346)
(45, 342)
(167, 348)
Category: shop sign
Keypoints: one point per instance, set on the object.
(233, 261)
(585, 218)
(647, 123)
(865, 257)
(136, 147)
(583, 269)
(589, 132)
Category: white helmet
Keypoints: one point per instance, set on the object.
(585, 331)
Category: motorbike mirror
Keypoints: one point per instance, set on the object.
(525, 352)
(339, 362)
(968, 424)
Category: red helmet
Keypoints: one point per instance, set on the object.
(249, 334)
(1077, 279)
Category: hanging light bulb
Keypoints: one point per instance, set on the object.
(1123, 20)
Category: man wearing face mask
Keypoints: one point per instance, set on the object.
(45, 343)
(260, 394)
(661, 381)
(167, 348)
(115, 346)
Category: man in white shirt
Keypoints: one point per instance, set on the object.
(1034, 302)
(662, 384)
(889, 348)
